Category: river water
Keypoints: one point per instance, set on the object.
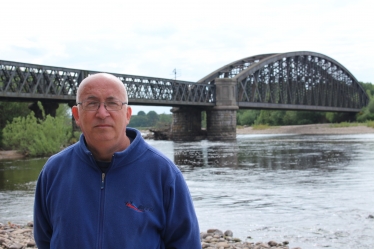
(315, 191)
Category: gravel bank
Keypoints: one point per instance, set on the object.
(14, 236)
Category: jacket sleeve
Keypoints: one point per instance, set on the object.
(42, 227)
(182, 229)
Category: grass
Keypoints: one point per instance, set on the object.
(345, 124)
(348, 124)
(370, 124)
(338, 125)
(262, 127)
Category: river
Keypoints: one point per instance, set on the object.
(315, 191)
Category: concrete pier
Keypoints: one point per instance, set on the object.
(186, 124)
(221, 119)
(221, 123)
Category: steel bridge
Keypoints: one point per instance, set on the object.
(290, 81)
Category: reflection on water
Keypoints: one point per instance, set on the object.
(206, 154)
(314, 191)
(17, 186)
(14, 174)
(273, 152)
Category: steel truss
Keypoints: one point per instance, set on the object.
(29, 82)
(295, 80)
(233, 69)
(306, 79)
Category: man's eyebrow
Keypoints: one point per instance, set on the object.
(92, 98)
(110, 98)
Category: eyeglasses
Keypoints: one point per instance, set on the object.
(113, 105)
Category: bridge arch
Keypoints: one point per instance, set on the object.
(290, 81)
(300, 80)
(232, 69)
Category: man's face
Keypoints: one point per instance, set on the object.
(102, 127)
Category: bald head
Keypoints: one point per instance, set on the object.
(93, 80)
(104, 130)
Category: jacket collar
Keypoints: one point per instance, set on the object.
(121, 158)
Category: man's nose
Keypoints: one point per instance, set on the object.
(102, 111)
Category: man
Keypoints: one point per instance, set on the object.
(111, 189)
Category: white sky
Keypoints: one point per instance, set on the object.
(152, 38)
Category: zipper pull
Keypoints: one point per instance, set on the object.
(102, 180)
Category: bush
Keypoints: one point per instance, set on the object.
(247, 117)
(367, 113)
(36, 137)
(370, 124)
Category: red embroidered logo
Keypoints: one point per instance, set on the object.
(138, 208)
(132, 206)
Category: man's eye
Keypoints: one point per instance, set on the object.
(112, 103)
(91, 103)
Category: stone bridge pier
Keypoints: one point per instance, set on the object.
(221, 119)
(186, 125)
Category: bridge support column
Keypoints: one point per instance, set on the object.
(49, 107)
(221, 123)
(221, 119)
(186, 125)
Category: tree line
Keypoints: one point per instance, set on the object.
(282, 117)
(22, 131)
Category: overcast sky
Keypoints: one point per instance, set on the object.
(195, 37)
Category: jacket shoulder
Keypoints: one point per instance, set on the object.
(60, 157)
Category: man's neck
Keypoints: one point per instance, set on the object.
(105, 152)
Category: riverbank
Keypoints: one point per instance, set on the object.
(10, 154)
(14, 236)
(311, 129)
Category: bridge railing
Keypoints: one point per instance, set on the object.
(30, 82)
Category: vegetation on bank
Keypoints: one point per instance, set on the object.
(35, 137)
(262, 127)
(151, 119)
(22, 131)
(348, 124)
(279, 117)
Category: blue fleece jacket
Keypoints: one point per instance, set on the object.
(142, 201)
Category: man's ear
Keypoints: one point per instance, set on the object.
(74, 111)
(128, 114)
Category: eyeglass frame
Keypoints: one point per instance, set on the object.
(81, 103)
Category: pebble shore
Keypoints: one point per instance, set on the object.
(14, 236)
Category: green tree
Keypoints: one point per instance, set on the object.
(164, 121)
(138, 121)
(369, 88)
(367, 113)
(270, 117)
(290, 117)
(37, 137)
(152, 118)
(10, 110)
(141, 113)
(247, 117)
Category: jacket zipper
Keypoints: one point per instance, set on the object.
(102, 180)
(102, 196)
